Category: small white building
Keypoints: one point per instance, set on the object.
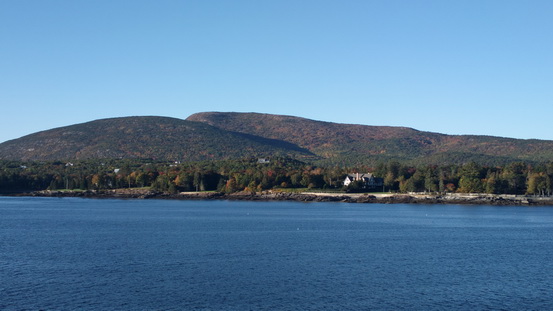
(368, 180)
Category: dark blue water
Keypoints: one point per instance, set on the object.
(65, 254)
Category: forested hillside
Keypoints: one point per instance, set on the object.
(219, 136)
(157, 138)
(358, 144)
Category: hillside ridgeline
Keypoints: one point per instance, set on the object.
(227, 135)
(158, 138)
(352, 143)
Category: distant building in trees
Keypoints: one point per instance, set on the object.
(369, 181)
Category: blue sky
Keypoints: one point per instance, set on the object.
(455, 67)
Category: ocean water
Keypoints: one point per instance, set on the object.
(85, 254)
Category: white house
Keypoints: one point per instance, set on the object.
(368, 180)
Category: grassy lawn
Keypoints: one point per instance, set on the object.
(298, 190)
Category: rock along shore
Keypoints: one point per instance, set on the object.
(416, 198)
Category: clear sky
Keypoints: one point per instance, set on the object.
(455, 67)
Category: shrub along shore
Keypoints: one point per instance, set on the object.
(271, 195)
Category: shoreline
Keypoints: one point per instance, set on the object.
(270, 195)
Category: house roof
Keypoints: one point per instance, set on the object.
(364, 175)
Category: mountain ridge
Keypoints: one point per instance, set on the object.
(378, 142)
(162, 138)
(228, 135)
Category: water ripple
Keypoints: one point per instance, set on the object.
(119, 255)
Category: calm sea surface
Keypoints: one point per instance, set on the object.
(67, 254)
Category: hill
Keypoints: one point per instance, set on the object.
(352, 143)
(158, 138)
(221, 135)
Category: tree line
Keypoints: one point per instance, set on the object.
(513, 178)
(253, 175)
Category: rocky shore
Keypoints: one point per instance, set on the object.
(415, 198)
